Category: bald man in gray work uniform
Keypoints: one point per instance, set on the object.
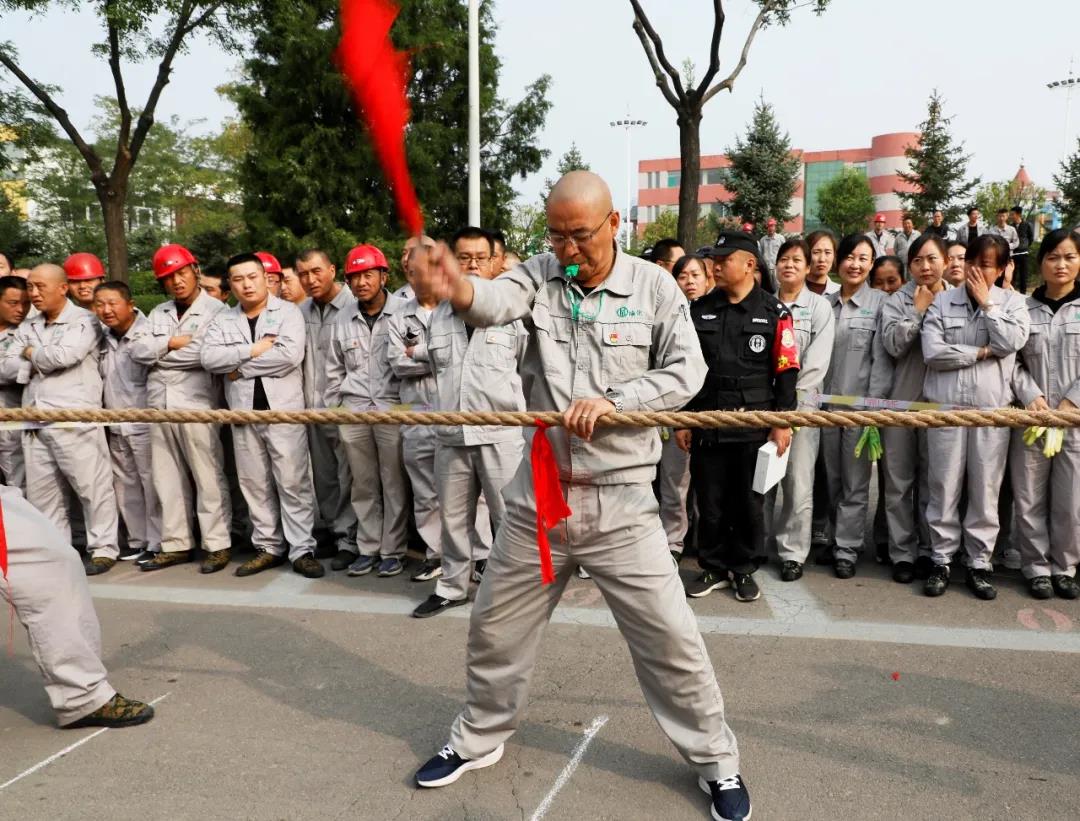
(608, 333)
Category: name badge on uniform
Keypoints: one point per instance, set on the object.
(708, 316)
(757, 343)
(759, 321)
(803, 313)
(865, 312)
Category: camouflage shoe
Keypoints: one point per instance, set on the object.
(215, 560)
(98, 565)
(262, 561)
(116, 712)
(163, 560)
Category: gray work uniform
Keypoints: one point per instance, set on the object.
(769, 248)
(815, 327)
(970, 460)
(903, 243)
(51, 597)
(861, 367)
(272, 461)
(12, 467)
(329, 467)
(905, 464)
(124, 382)
(883, 243)
(1007, 233)
(359, 378)
(177, 381)
(63, 373)
(409, 328)
(674, 486)
(1045, 490)
(474, 372)
(631, 339)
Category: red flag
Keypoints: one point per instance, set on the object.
(551, 507)
(377, 73)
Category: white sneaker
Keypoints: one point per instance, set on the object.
(582, 573)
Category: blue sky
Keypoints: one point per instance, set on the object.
(865, 67)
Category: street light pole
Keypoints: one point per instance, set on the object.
(627, 125)
(474, 112)
(1068, 85)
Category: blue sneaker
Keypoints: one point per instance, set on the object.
(390, 567)
(447, 767)
(730, 798)
(363, 565)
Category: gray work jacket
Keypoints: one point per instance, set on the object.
(477, 374)
(860, 365)
(320, 321)
(62, 371)
(1049, 363)
(630, 339)
(410, 328)
(227, 348)
(11, 390)
(124, 379)
(815, 328)
(177, 379)
(903, 243)
(954, 330)
(358, 372)
(901, 332)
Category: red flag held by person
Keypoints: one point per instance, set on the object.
(551, 507)
(377, 74)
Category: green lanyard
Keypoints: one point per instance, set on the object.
(576, 313)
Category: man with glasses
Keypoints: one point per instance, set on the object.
(608, 333)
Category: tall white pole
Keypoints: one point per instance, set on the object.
(1068, 85)
(474, 112)
(627, 125)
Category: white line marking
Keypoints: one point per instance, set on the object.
(571, 765)
(791, 602)
(66, 750)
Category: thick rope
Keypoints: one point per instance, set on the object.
(1001, 418)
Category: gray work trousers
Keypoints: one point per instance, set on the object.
(177, 450)
(616, 535)
(134, 487)
(52, 600)
(674, 476)
(12, 466)
(380, 492)
(793, 520)
(274, 470)
(79, 458)
(463, 473)
(849, 490)
(965, 463)
(907, 492)
(419, 445)
(333, 485)
(1046, 505)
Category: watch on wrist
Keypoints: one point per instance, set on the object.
(615, 398)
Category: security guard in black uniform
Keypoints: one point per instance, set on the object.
(748, 340)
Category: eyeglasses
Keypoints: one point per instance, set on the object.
(467, 259)
(579, 238)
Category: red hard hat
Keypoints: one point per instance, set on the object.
(83, 266)
(168, 259)
(364, 258)
(878, 218)
(770, 221)
(748, 227)
(269, 261)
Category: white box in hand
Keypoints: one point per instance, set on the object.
(770, 468)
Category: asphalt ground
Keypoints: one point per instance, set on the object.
(284, 698)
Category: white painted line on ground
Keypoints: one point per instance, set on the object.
(791, 602)
(56, 756)
(571, 765)
(389, 604)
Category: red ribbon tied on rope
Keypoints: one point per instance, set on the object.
(377, 75)
(551, 507)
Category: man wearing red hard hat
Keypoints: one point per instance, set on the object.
(274, 274)
(177, 381)
(84, 273)
(359, 377)
(882, 240)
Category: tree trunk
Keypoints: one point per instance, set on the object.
(690, 176)
(113, 201)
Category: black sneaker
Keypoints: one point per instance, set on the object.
(938, 580)
(978, 581)
(903, 572)
(746, 588)
(1041, 587)
(844, 568)
(430, 569)
(130, 554)
(924, 567)
(881, 554)
(478, 570)
(730, 798)
(435, 604)
(706, 583)
(342, 559)
(790, 571)
(144, 557)
(1065, 586)
(447, 767)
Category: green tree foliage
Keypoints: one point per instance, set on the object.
(1068, 182)
(310, 177)
(688, 100)
(133, 31)
(845, 203)
(993, 196)
(764, 172)
(938, 169)
(665, 225)
(570, 161)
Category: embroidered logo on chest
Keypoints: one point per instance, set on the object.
(757, 343)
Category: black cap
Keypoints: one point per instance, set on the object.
(731, 241)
